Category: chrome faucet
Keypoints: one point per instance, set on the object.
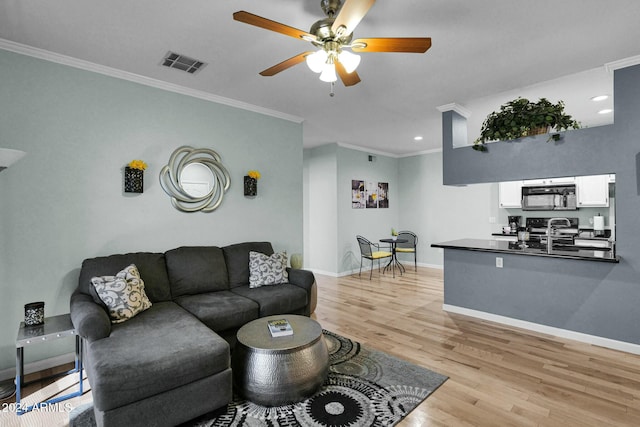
(550, 227)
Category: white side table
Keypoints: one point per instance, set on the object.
(53, 328)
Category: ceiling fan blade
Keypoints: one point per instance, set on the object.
(350, 15)
(267, 24)
(287, 63)
(392, 44)
(349, 79)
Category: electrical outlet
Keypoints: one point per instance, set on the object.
(492, 220)
(499, 262)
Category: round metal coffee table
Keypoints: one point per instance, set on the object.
(274, 371)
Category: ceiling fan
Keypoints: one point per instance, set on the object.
(333, 35)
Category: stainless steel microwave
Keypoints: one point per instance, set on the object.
(549, 198)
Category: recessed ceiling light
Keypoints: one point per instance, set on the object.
(600, 98)
(417, 138)
(605, 111)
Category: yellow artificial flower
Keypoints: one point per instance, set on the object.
(254, 174)
(137, 164)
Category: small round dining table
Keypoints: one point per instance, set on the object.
(393, 262)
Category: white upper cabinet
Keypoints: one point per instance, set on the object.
(510, 194)
(592, 191)
(549, 181)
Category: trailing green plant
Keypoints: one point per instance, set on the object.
(521, 117)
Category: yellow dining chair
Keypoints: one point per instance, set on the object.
(372, 252)
(408, 247)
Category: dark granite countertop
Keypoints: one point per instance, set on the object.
(532, 248)
(538, 235)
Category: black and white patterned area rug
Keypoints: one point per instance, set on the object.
(365, 387)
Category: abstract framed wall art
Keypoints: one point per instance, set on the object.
(371, 193)
(383, 195)
(357, 194)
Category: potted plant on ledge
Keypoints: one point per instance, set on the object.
(521, 117)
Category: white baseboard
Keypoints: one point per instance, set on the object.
(544, 329)
(334, 274)
(356, 270)
(321, 272)
(436, 266)
(39, 365)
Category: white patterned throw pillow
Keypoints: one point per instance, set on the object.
(267, 270)
(123, 294)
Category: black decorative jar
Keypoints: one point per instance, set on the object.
(250, 186)
(133, 180)
(34, 313)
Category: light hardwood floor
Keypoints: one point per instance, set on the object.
(498, 376)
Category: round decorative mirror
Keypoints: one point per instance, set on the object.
(195, 179)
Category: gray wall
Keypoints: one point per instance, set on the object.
(332, 223)
(63, 202)
(418, 202)
(374, 224)
(565, 294)
(321, 171)
(611, 306)
(436, 212)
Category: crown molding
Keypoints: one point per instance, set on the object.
(455, 107)
(622, 63)
(136, 78)
(384, 153)
(421, 153)
(367, 150)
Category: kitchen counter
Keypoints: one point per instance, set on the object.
(539, 235)
(531, 249)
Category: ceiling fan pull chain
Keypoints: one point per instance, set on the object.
(332, 92)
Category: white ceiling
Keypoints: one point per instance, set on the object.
(479, 48)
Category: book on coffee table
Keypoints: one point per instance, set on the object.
(279, 327)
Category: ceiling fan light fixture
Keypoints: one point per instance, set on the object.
(317, 60)
(329, 73)
(331, 35)
(349, 60)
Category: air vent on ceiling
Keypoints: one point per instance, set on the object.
(181, 62)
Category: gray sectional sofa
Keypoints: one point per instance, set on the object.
(171, 363)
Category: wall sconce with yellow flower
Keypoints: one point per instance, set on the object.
(251, 183)
(134, 176)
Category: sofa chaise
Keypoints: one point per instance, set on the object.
(170, 363)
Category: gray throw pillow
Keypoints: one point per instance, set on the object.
(123, 294)
(265, 270)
